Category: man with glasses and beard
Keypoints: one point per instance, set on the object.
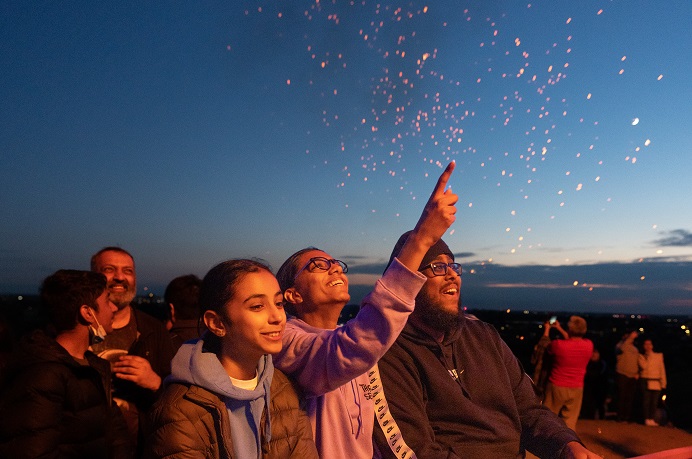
(139, 348)
(332, 364)
(451, 388)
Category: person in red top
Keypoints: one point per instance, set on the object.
(570, 356)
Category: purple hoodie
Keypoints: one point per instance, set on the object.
(331, 365)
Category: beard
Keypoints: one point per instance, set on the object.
(122, 299)
(436, 317)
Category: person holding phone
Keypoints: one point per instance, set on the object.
(570, 356)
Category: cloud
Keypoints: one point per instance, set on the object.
(650, 286)
(367, 268)
(556, 286)
(647, 286)
(353, 258)
(675, 238)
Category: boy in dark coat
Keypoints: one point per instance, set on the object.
(57, 401)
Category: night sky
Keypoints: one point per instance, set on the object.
(192, 133)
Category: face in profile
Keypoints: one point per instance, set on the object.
(438, 302)
(119, 269)
(316, 286)
(105, 312)
(254, 319)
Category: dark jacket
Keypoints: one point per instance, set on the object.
(185, 330)
(154, 344)
(193, 422)
(54, 407)
(466, 397)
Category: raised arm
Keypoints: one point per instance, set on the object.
(559, 328)
(321, 360)
(437, 216)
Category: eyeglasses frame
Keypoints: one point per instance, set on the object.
(446, 265)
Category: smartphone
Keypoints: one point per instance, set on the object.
(552, 320)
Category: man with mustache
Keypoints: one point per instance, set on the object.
(139, 348)
(451, 388)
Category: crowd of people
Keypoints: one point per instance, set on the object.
(262, 369)
(575, 382)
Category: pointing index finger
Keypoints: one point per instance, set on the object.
(444, 178)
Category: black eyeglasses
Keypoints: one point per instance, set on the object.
(440, 269)
(319, 264)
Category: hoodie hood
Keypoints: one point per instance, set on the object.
(193, 364)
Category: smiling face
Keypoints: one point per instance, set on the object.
(254, 318)
(439, 301)
(319, 289)
(119, 269)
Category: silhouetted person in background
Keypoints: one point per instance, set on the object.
(653, 379)
(626, 375)
(182, 298)
(540, 362)
(139, 348)
(595, 388)
(57, 402)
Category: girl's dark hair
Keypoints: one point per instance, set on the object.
(286, 274)
(219, 285)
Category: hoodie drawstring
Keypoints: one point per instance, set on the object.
(267, 418)
(355, 393)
